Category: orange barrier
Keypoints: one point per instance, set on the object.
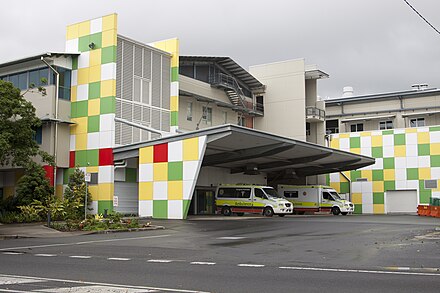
(435, 211)
(423, 210)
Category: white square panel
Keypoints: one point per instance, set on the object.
(365, 141)
(411, 138)
(411, 150)
(424, 161)
(366, 152)
(435, 173)
(106, 139)
(378, 165)
(190, 169)
(106, 174)
(93, 140)
(108, 71)
(399, 131)
(388, 151)
(74, 77)
(412, 162)
(84, 60)
(367, 198)
(175, 209)
(412, 184)
(160, 190)
(367, 208)
(174, 89)
(367, 187)
(356, 187)
(188, 189)
(400, 162)
(72, 146)
(82, 92)
(388, 140)
(96, 25)
(344, 144)
(145, 208)
(434, 136)
(175, 151)
(72, 45)
(107, 122)
(400, 184)
(400, 174)
(355, 134)
(146, 172)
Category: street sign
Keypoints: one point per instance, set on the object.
(115, 201)
(88, 177)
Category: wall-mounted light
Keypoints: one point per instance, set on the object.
(92, 45)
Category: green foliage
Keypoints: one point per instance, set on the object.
(33, 185)
(17, 124)
(18, 217)
(74, 195)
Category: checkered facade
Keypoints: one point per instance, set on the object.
(405, 158)
(167, 177)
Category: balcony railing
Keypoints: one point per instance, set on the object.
(315, 114)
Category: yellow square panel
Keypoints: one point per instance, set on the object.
(400, 151)
(342, 177)
(80, 126)
(95, 57)
(160, 171)
(334, 143)
(376, 141)
(366, 133)
(378, 209)
(424, 173)
(367, 174)
(108, 88)
(93, 189)
(434, 148)
(175, 190)
(356, 198)
(73, 91)
(389, 174)
(336, 186)
(59, 191)
(109, 38)
(95, 73)
(83, 76)
(72, 32)
(344, 135)
(84, 28)
(423, 137)
(378, 186)
(175, 60)
(106, 191)
(146, 155)
(145, 190)
(356, 150)
(110, 22)
(94, 107)
(410, 130)
(191, 149)
(81, 142)
(92, 169)
(174, 103)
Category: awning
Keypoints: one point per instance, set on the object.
(368, 118)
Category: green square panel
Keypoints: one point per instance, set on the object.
(130, 175)
(355, 174)
(327, 180)
(387, 132)
(186, 204)
(357, 209)
(93, 157)
(93, 124)
(66, 175)
(105, 205)
(378, 198)
(94, 90)
(175, 74)
(389, 185)
(108, 105)
(175, 171)
(74, 62)
(355, 142)
(388, 163)
(434, 128)
(425, 196)
(345, 187)
(435, 161)
(108, 54)
(160, 209)
(377, 175)
(83, 43)
(423, 149)
(82, 108)
(412, 174)
(377, 152)
(399, 139)
(96, 39)
(81, 158)
(73, 110)
(174, 118)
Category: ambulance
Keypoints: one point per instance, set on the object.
(240, 199)
(316, 198)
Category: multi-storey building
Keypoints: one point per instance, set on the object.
(401, 130)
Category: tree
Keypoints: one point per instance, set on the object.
(74, 195)
(17, 128)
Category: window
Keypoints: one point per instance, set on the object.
(189, 111)
(417, 122)
(430, 184)
(234, 193)
(38, 135)
(225, 117)
(357, 127)
(326, 195)
(241, 121)
(259, 193)
(386, 125)
(207, 115)
(291, 194)
(332, 126)
(307, 128)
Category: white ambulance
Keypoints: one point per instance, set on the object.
(243, 198)
(317, 198)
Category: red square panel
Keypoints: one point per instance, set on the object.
(160, 153)
(105, 157)
(72, 159)
(49, 173)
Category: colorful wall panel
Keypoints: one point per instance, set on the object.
(167, 177)
(405, 158)
(93, 103)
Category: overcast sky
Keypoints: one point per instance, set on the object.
(372, 45)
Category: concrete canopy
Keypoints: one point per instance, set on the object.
(242, 149)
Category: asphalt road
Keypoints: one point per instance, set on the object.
(235, 254)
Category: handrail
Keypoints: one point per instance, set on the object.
(314, 111)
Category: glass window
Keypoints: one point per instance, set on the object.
(259, 193)
(417, 122)
(291, 194)
(357, 127)
(189, 111)
(44, 73)
(386, 125)
(332, 126)
(14, 79)
(34, 78)
(22, 80)
(241, 121)
(207, 115)
(38, 135)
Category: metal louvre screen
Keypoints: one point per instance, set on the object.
(157, 72)
(166, 80)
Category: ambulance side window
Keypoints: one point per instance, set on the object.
(291, 194)
(326, 195)
(259, 193)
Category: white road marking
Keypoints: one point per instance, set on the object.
(250, 265)
(13, 291)
(9, 280)
(13, 253)
(231, 238)
(358, 271)
(36, 279)
(95, 289)
(45, 255)
(202, 263)
(119, 258)
(160, 260)
(84, 242)
(81, 256)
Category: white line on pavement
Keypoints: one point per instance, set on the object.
(230, 238)
(45, 255)
(160, 260)
(202, 263)
(12, 253)
(358, 271)
(80, 256)
(84, 242)
(250, 265)
(119, 258)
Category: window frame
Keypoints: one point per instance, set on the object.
(417, 120)
(386, 124)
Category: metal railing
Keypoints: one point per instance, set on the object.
(315, 113)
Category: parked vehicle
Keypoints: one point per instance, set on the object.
(315, 198)
(242, 199)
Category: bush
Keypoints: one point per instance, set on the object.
(33, 185)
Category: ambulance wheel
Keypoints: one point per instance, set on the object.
(226, 211)
(240, 214)
(344, 213)
(336, 211)
(268, 212)
(281, 215)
